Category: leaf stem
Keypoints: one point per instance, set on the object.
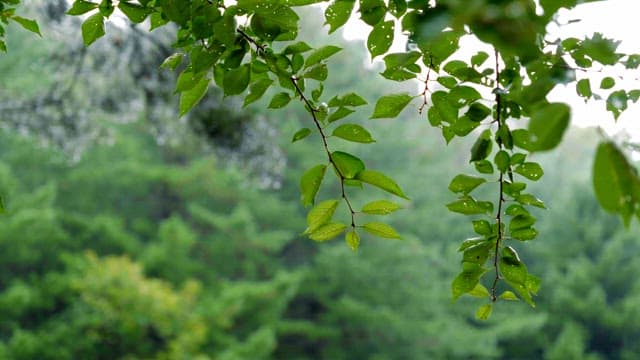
(426, 86)
(499, 120)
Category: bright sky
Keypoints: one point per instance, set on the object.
(616, 19)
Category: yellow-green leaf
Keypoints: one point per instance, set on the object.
(352, 239)
(310, 184)
(327, 231)
(92, 28)
(381, 181)
(380, 207)
(320, 215)
(381, 230)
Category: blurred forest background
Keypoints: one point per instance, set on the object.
(132, 234)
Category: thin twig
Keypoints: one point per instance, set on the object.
(426, 87)
(499, 120)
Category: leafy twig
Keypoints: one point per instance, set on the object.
(313, 111)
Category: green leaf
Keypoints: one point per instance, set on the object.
(607, 83)
(446, 109)
(601, 49)
(482, 147)
(320, 215)
(134, 12)
(518, 158)
(462, 95)
(617, 102)
(447, 81)
(465, 183)
(478, 112)
(484, 166)
(318, 72)
(484, 311)
(353, 132)
(372, 11)
(310, 184)
(504, 136)
(477, 253)
(515, 274)
(257, 90)
(522, 139)
(515, 209)
(338, 13)
(2, 208)
(547, 125)
(297, 48)
(614, 178)
(469, 206)
(467, 280)
(380, 38)
(508, 295)
(390, 106)
(236, 80)
(583, 88)
(381, 181)
(401, 59)
(513, 189)
(92, 28)
(350, 99)
(273, 21)
(352, 239)
(479, 58)
(327, 231)
(502, 161)
(172, 61)
(190, 98)
(187, 80)
(479, 291)
(27, 24)
(381, 229)
(530, 170)
(469, 243)
(521, 221)
(340, 114)
(482, 227)
(528, 199)
(380, 207)
(316, 93)
(80, 7)
(321, 54)
(347, 165)
(511, 267)
(157, 21)
(301, 134)
(524, 234)
(279, 100)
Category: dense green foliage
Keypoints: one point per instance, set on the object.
(127, 254)
(250, 47)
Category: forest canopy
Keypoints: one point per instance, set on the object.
(498, 98)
